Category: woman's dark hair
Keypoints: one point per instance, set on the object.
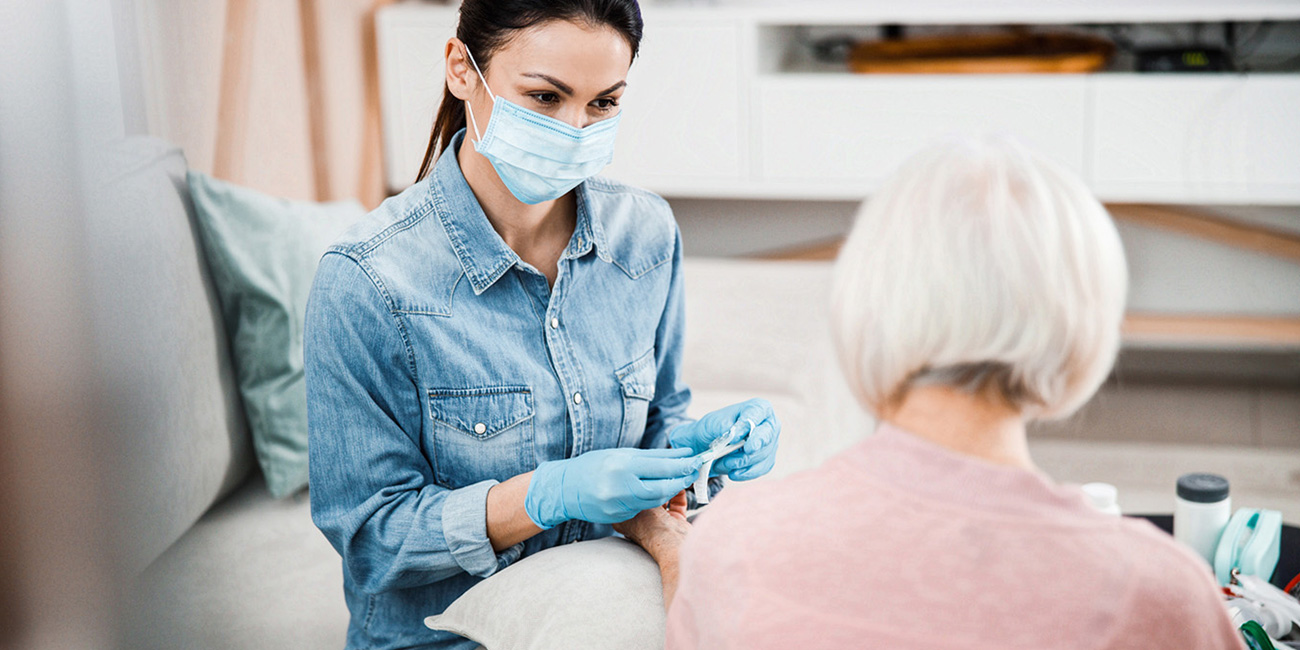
(486, 25)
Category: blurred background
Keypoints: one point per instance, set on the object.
(764, 123)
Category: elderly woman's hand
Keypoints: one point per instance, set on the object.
(661, 531)
(663, 527)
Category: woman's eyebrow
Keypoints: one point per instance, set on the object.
(559, 85)
(613, 88)
(565, 89)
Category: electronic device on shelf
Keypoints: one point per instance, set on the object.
(1183, 59)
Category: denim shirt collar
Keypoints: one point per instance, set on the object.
(483, 255)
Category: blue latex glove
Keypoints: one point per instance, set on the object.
(753, 460)
(607, 486)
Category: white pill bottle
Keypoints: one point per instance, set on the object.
(1201, 511)
(1102, 496)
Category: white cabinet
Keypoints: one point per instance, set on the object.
(714, 109)
(412, 74)
(683, 114)
(1197, 138)
(843, 134)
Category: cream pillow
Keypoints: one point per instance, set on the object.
(600, 594)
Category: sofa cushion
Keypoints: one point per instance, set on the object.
(254, 573)
(187, 439)
(750, 325)
(263, 252)
(762, 329)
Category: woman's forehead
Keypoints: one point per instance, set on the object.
(585, 57)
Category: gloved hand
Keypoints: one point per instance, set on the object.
(607, 486)
(753, 460)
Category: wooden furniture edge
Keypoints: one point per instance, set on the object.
(233, 97)
(1188, 221)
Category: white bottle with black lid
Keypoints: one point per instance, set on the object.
(1201, 511)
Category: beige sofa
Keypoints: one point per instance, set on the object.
(223, 565)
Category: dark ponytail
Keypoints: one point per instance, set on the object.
(486, 25)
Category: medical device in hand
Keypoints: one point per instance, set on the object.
(732, 440)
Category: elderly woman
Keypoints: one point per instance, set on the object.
(982, 288)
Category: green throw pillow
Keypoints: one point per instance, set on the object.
(263, 253)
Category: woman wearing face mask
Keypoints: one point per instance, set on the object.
(493, 356)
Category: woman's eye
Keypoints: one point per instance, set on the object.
(605, 103)
(546, 99)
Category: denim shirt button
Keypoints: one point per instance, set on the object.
(480, 428)
(577, 398)
(555, 323)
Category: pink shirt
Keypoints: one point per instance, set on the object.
(901, 543)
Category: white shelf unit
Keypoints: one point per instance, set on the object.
(994, 12)
(713, 109)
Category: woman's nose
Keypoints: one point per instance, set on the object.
(575, 117)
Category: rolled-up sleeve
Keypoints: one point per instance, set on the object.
(672, 396)
(372, 490)
(464, 517)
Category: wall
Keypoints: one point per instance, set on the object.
(726, 228)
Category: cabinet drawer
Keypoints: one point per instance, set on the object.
(859, 129)
(682, 110)
(1210, 138)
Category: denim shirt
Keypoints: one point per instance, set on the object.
(438, 363)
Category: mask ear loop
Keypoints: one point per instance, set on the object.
(469, 107)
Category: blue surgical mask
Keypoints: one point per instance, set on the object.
(540, 158)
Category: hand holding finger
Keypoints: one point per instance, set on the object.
(655, 493)
(677, 506)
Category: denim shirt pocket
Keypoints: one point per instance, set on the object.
(481, 434)
(637, 383)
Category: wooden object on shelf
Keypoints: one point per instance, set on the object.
(1228, 232)
(983, 54)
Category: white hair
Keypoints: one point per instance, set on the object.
(981, 265)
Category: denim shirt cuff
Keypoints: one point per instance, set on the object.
(464, 526)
